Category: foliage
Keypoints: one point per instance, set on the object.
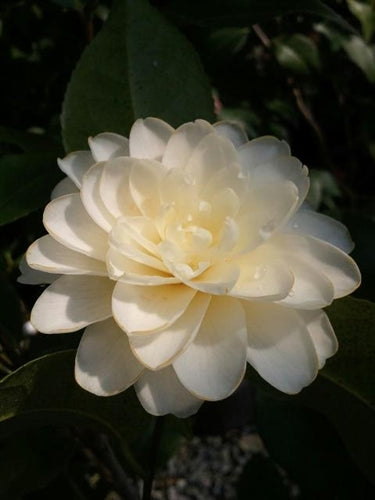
(301, 70)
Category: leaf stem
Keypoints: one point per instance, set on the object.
(155, 445)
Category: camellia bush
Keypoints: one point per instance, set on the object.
(187, 202)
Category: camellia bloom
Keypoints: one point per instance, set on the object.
(186, 254)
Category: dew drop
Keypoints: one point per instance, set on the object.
(291, 293)
(295, 225)
(260, 272)
(267, 229)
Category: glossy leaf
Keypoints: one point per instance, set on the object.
(307, 447)
(362, 55)
(139, 65)
(44, 390)
(365, 13)
(26, 183)
(221, 13)
(297, 53)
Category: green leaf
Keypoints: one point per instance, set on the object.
(297, 53)
(31, 459)
(306, 445)
(365, 13)
(139, 65)
(26, 183)
(11, 318)
(27, 141)
(44, 390)
(362, 55)
(222, 13)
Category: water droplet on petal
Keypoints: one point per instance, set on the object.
(267, 229)
(260, 272)
(291, 293)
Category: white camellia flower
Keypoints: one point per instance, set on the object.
(186, 254)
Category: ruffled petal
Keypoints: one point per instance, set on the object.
(66, 186)
(144, 181)
(108, 145)
(105, 364)
(91, 199)
(214, 363)
(66, 219)
(31, 276)
(148, 138)
(321, 333)
(280, 347)
(183, 141)
(49, 256)
(232, 131)
(328, 260)
(75, 165)
(71, 303)
(262, 150)
(140, 309)
(321, 226)
(159, 349)
(114, 187)
(161, 393)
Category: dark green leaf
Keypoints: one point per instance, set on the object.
(365, 13)
(11, 318)
(306, 445)
(139, 65)
(362, 55)
(31, 459)
(297, 53)
(222, 13)
(26, 183)
(44, 390)
(27, 141)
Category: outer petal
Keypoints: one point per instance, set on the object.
(147, 309)
(321, 226)
(148, 138)
(232, 131)
(66, 186)
(105, 364)
(71, 303)
(280, 347)
(30, 276)
(91, 199)
(157, 350)
(311, 289)
(161, 392)
(47, 255)
(262, 150)
(75, 165)
(183, 141)
(338, 267)
(68, 222)
(322, 334)
(214, 364)
(108, 145)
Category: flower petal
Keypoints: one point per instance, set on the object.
(183, 141)
(218, 279)
(108, 145)
(148, 138)
(144, 183)
(30, 276)
(66, 186)
(91, 199)
(66, 219)
(321, 226)
(280, 347)
(214, 364)
(157, 350)
(322, 334)
(71, 303)
(311, 288)
(262, 150)
(75, 165)
(212, 154)
(232, 131)
(140, 309)
(328, 260)
(104, 363)
(161, 392)
(47, 255)
(114, 187)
